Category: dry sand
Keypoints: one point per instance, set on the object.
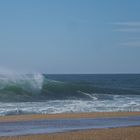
(130, 133)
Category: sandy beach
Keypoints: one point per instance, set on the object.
(126, 133)
(130, 133)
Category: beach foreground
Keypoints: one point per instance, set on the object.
(129, 133)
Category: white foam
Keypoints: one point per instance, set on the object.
(91, 96)
(33, 81)
(123, 103)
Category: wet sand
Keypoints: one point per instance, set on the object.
(47, 126)
(66, 116)
(126, 133)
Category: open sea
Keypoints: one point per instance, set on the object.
(47, 94)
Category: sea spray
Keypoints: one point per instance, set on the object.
(26, 81)
(20, 87)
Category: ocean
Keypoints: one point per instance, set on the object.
(48, 94)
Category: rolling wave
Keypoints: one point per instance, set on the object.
(38, 87)
(20, 87)
(39, 93)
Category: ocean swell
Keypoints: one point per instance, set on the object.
(38, 87)
(38, 93)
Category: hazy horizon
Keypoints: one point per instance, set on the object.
(70, 37)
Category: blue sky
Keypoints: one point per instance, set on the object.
(70, 36)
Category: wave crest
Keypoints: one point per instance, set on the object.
(31, 81)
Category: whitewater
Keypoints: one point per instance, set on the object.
(49, 94)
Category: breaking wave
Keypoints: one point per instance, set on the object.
(38, 87)
(39, 93)
(20, 87)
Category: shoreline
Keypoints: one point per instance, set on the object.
(129, 133)
(28, 117)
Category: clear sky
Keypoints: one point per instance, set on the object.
(70, 36)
